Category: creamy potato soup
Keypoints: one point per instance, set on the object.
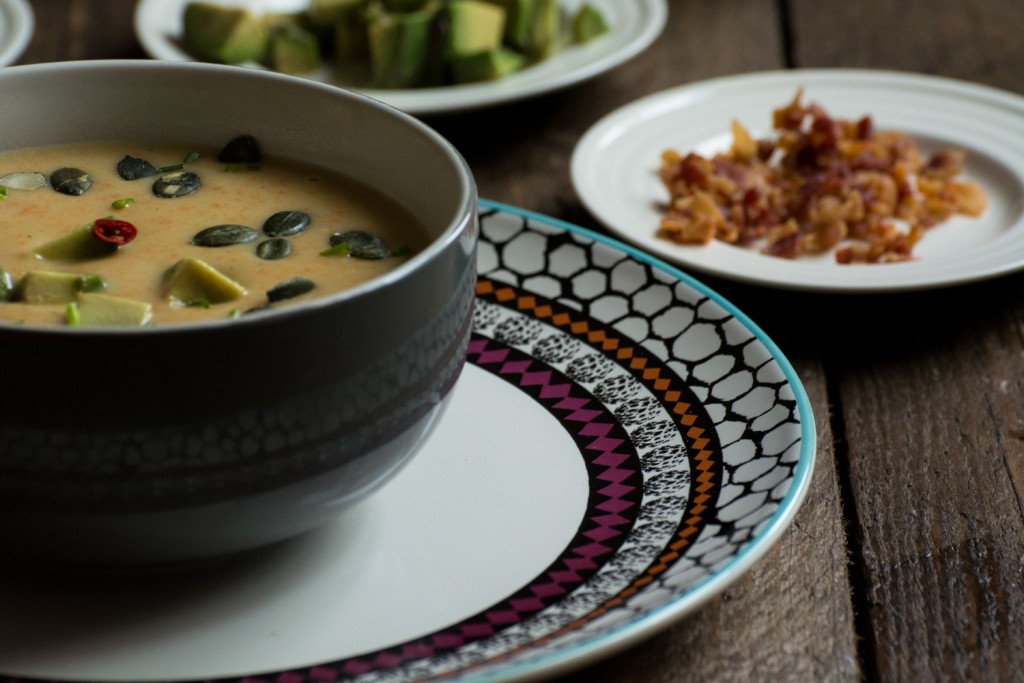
(124, 234)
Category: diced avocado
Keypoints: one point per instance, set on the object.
(486, 66)
(532, 26)
(103, 309)
(48, 287)
(192, 281)
(340, 28)
(588, 23)
(404, 5)
(230, 35)
(78, 245)
(474, 26)
(403, 53)
(292, 50)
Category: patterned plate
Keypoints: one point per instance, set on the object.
(622, 445)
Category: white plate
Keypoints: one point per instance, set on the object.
(621, 446)
(635, 25)
(16, 25)
(615, 170)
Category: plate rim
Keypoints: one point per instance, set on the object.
(14, 42)
(453, 99)
(651, 622)
(683, 97)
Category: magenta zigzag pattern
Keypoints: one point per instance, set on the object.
(615, 477)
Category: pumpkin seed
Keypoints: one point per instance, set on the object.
(176, 185)
(359, 244)
(242, 150)
(23, 181)
(224, 235)
(72, 181)
(286, 223)
(132, 168)
(290, 289)
(273, 249)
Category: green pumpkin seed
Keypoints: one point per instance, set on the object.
(23, 181)
(290, 289)
(224, 235)
(273, 249)
(358, 244)
(132, 168)
(286, 223)
(242, 150)
(71, 181)
(177, 184)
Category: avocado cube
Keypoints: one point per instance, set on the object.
(48, 287)
(192, 281)
(532, 27)
(486, 66)
(103, 309)
(474, 26)
(402, 48)
(216, 33)
(78, 245)
(588, 23)
(292, 50)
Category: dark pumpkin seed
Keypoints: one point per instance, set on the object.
(224, 235)
(177, 184)
(23, 181)
(242, 150)
(361, 244)
(132, 168)
(72, 181)
(273, 249)
(290, 289)
(286, 223)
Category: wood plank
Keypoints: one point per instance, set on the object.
(929, 390)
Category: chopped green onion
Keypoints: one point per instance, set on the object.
(200, 303)
(172, 167)
(122, 203)
(91, 283)
(234, 313)
(401, 250)
(236, 168)
(72, 314)
(3, 192)
(192, 156)
(337, 250)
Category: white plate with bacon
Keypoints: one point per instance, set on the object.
(617, 171)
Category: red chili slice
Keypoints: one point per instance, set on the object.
(113, 231)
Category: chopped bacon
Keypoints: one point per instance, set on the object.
(821, 183)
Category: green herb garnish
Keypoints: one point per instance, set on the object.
(122, 203)
(336, 250)
(74, 317)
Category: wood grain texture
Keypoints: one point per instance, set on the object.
(930, 393)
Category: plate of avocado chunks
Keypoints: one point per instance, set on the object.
(422, 56)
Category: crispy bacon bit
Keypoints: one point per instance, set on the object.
(819, 184)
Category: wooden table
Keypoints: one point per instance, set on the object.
(906, 561)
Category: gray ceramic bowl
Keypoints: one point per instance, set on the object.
(166, 445)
